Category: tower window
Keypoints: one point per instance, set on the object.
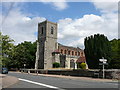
(52, 30)
(42, 30)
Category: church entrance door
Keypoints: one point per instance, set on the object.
(72, 64)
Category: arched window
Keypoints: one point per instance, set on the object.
(72, 52)
(68, 52)
(52, 29)
(76, 53)
(81, 54)
(65, 52)
(61, 51)
(72, 64)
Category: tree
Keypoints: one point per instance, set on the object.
(12, 56)
(96, 47)
(25, 54)
(115, 59)
(0, 50)
(7, 47)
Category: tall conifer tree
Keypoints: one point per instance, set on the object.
(96, 47)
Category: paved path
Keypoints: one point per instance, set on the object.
(59, 82)
(6, 80)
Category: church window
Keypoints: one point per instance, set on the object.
(61, 51)
(72, 52)
(52, 30)
(78, 53)
(68, 52)
(75, 53)
(42, 30)
(65, 52)
(81, 54)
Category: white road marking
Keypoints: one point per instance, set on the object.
(49, 86)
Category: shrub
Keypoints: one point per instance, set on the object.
(83, 65)
(56, 65)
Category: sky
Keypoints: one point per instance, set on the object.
(76, 20)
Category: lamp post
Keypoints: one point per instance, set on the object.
(103, 63)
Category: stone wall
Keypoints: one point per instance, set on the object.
(109, 74)
(82, 73)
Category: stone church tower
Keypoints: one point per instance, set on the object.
(47, 43)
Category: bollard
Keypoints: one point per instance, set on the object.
(28, 71)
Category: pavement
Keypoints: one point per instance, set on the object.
(75, 77)
(33, 80)
(78, 78)
(6, 81)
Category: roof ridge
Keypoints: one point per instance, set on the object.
(69, 46)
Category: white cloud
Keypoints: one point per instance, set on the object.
(20, 27)
(106, 7)
(58, 5)
(73, 31)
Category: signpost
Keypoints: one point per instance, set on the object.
(103, 63)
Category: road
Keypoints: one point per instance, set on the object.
(38, 81)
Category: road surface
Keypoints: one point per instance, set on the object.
(38, 81)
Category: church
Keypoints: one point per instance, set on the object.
(50, 51)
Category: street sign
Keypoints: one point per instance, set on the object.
(102, 60)
(103, 63)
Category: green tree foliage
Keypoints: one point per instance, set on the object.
(24, 54)
(56, 65)
(16, 56)
(7, 49)
(96, 47)
(0, 49)
(115, 61)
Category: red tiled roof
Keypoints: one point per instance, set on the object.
(69, 47)
(81, 60)
(56, 51)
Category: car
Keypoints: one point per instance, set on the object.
(4, 71)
